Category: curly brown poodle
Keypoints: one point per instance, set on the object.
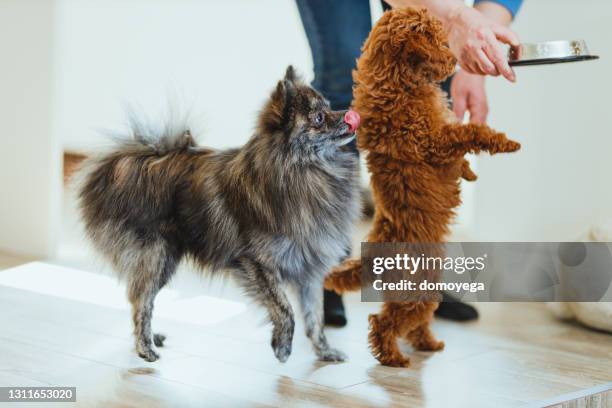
(415, 153)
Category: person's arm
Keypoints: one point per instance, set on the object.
(468, 90)
(511, 6)
(474, 38)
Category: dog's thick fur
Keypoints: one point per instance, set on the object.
(278, 210)
(415, 156)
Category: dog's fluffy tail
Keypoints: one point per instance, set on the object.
(345, 277)
(126, 194)
(162, 137)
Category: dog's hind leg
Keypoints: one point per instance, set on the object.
(423, 339)
(154, 269)
(311, 302)
(264, 286)
(395, 320)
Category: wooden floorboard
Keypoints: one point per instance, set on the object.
(10, 260)
(515, 355)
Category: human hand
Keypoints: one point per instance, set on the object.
(469, 94)
(477, 41)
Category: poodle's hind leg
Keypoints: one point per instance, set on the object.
(383, 342)
(345, 277)
(386, 327)
(421, 337)
(154, 268)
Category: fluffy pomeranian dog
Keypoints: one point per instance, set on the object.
(277, 211)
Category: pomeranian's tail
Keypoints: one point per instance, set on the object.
(161, 138)
(126, 195)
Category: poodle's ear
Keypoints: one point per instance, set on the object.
(419, 40)
(409, 27)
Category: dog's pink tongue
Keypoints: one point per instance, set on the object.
(352, 119)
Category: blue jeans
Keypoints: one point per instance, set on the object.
(336, 29)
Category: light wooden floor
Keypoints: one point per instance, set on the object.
(515, 355)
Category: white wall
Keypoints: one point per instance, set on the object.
(560, 182)
(30, 174)
(221, 58)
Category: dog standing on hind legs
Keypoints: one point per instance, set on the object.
(277, 211)
(415, 155)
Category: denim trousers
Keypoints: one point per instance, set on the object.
(336, 30)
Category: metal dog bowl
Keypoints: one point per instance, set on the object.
(549, 52)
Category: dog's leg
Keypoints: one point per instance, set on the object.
(421, 337)
(142, 296)
(466, 171)
(143, 286)
(394, 320)
(311, 302)
(264, 285)
(456, 140)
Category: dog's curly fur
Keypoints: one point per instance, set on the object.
(416, 152)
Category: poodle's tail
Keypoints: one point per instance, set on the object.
(345, 277)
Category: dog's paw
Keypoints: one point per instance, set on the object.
(148, 354)
(466, 172)
(158, 340)
(282, 337)
(395, 361)
(433, 345)
(501, 144)
(282, 351)
(509, 146)
(332, 355)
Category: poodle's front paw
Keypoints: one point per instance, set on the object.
(333, 355)
(501, 144)
(466, 172)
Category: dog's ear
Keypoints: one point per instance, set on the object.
(278, 110)
(284, 94)
(418, 41)
(292, 75)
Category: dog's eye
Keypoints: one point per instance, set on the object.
(318, 118)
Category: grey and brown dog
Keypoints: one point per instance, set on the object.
(277, 211)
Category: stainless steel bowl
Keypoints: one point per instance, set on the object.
(550, 52)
